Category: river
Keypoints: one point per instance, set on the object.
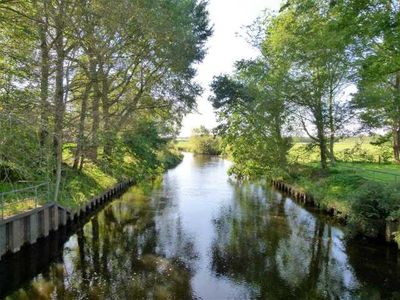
(197, 234)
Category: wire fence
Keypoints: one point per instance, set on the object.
(23, 199)
(374, 175)
(26, 164)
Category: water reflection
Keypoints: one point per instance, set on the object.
(198, 235)
(117, 255)
(283, 252)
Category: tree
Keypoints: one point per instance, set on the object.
(88, 72)
(251, 108)
(307, 35)
(376, 26)
(203, 142)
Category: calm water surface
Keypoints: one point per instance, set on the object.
(199, 235)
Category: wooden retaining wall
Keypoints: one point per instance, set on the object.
(299, 196)
(26, 228)
(390, 226)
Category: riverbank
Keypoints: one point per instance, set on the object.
(87, 189)
(370, 208)
(95, 178)
(171, 238)
(78, 186)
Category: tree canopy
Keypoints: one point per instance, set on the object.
(88, 73)
(311, 54)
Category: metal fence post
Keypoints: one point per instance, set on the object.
(2, 206)
(36, 196)
(48, 192)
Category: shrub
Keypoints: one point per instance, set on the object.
(170, 158)
(203, 142)
(10, 172)
(206, 145)
(371, 205)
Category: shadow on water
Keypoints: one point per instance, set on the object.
(198, 235)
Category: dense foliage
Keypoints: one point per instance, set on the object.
(313, 54)
(97, 82)
(326, 70)
(203, 142)
(371, 206)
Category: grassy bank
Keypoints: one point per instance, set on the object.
(332, 190)
(365, 194)
(78, 186)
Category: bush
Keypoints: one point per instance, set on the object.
(10, 172)
(206, 145)
(170, 158)
(371, 205)
(203, 142)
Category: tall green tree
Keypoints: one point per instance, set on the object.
(86, 72)
(251, 108)
(376, 25)
(307, 35)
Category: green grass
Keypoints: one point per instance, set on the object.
(388, 173)
(332, 190)
(356, 149)
(79, 186)
(30, 195)
(359, 162)
(355, 156)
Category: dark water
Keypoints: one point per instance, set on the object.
(199, 235)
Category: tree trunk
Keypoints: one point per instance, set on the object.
(396, 125)
(321, 137)
(396, 142)
(44, 77)
(59, 96)
(331, 129)
(323, 150)
(280, 142)
(108, 143)
(81, 129)
(95, 110)
(108, 140)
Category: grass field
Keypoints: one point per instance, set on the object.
(354, 156)
(357, 149)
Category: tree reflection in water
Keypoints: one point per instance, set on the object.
(280, 250)
(118, 255)
(200, 235)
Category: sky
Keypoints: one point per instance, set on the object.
(224, 48)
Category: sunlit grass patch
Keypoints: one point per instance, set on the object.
(10, 209)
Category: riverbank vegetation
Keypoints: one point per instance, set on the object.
(91, 92)
(329, 72)
(202, 141)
